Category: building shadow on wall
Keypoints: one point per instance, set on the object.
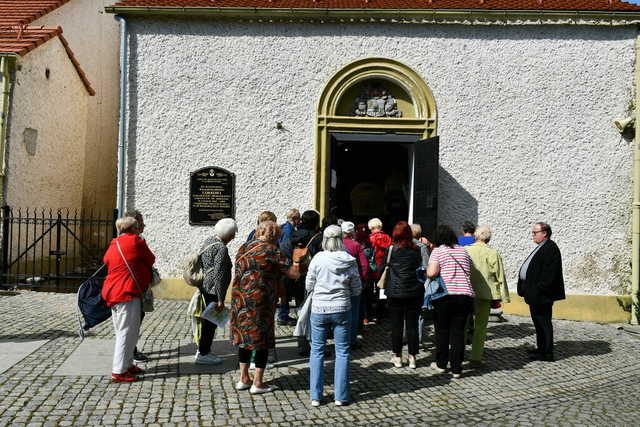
(455, 203)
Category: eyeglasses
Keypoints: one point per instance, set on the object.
(536, 232)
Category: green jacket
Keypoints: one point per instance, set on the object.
(487, 273)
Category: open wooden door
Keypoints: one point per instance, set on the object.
(425, 183)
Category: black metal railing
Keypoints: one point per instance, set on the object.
(53, 249)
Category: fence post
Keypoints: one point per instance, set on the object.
(58, 253)
(6, 212)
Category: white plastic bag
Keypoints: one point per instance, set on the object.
(219, 318)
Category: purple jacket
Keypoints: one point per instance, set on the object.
(355, 250)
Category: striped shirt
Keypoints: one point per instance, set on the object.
(455, 269)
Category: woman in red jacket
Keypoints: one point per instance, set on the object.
(129, 263)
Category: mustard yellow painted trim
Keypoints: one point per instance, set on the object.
(589, 308)
(177, 289)
(425, 124)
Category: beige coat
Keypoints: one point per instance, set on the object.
(487, 273)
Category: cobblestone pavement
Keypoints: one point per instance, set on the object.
(595, 381)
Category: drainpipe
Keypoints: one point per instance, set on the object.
(5, 69)
(123, 104)
(635, 218)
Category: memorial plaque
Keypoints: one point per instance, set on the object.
(211, 196)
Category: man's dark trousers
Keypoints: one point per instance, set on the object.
(541, 316)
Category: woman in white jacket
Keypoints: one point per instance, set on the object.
(332, 280)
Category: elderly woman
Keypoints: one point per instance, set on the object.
(453, 264)
(216, 265)
(259, 269)
(404, 292)
(129, 262)
(332, 280)
(489, 284)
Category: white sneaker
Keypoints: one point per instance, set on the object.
(412, 362)
(397, 362)
(242, 386)
(457, 376)
(339, 403)
(207, 359)
(435, 367)
(257, 390)
(315, 403)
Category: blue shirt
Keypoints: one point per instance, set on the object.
(466, 240)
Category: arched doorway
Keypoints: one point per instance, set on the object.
(377, 144)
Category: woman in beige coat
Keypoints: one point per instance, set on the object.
(489, 284)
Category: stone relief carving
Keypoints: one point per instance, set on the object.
(376, 102)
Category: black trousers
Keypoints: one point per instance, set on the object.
(401, 311)
(208, 330)
(541, 316)
(451, 316)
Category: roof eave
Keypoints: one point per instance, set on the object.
(399, 15)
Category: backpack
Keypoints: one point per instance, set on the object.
(192, 271)
(370, 253)
(303, 254)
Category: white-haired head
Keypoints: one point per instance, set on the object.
(348, 228)
(483, 233)
(127, 224)
(332, 239)
(375, 224)
(226, 229)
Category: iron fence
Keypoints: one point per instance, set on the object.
(55, 249)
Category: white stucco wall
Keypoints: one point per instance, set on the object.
(93, 36)
(525, 119)
(49, 174)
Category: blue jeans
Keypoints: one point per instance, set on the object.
(355, 318)
(320, 326)
(283, 311)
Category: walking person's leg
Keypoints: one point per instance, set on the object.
(260, 358)
(126, 322)
(396, 315)
(244, 358)
(316, 360)
(412, 313)
(443, 327)
(460, 306)
(355, 319)
(537, 317)
(341, 325)
(208, 329)
(482, 310)
(139, 356)
(545, 313)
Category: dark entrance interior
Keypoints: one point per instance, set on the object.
(372, 180)
(382, 175)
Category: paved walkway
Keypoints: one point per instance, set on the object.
(595, 381)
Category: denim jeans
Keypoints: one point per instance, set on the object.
(320, 326)
(283, 311)
(355, 318)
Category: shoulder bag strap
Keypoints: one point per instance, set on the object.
(457, 262)
(250, 252)
(311, 240)
(129, 268)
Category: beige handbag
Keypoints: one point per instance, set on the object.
(384, 278)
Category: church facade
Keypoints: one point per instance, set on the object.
(451, 112)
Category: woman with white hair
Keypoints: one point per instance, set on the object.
(216, 266)
(332, 280)
(129, 261)
(489, 284)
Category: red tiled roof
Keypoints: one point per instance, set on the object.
(23, 12)
(21, 39)
(573, 5)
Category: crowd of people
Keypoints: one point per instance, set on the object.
(335, 270)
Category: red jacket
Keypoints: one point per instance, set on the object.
(380, 241)
(119, 286)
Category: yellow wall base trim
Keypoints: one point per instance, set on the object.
(176, 288)
(590, 308)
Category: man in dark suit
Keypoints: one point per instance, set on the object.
(540, 284)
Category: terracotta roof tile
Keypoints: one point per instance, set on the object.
(583, 5)
(26, 11)
(21, 39)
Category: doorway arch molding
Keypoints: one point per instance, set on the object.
(424, 124)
